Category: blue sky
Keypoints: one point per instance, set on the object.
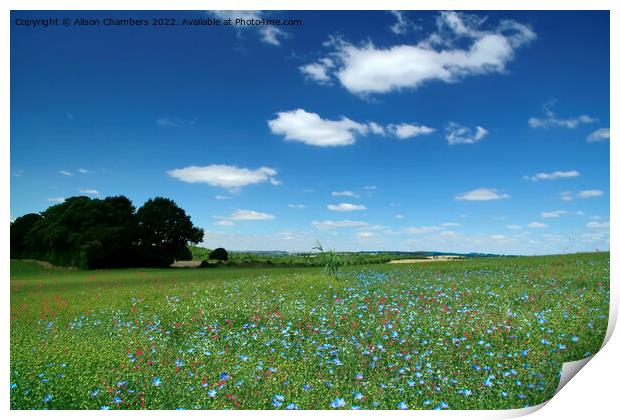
(456, 132)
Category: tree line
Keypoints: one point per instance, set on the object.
(106, 233)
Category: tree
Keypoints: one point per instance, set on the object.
(219, 254)
(164, 231)
(20, 228)
(85, 232)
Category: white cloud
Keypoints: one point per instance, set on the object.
(318, 72)
(297, 206)
(550, 120)
(498, 237)
(310, 128)
(599, 135)
(345, 193)
(84, 171)
(250, 215)
(346, 207)
(401, 25)
(330, 224)
(458, 134)
(271, 35)
(56, 199)
(418, 230)
(367, 69)
(89, 191)
(448, 233)
(366, 234)
(545, 176)
(400, 216)
(223, 197)
(376, 129)
(552, 214)
(566, 196)
(223, 175)
(405, 130)
(514, 227)
(537, 225)
(597, 225)
(268, 34)
(590, 193)
(65, 173)
(450, 224)
(243, 216)
(481, 194)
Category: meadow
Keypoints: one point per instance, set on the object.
(486, 333)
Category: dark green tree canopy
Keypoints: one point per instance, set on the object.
(164, 231)
(19, 229)
(219, 254)
(95, 233)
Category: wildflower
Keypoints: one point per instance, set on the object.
(402, 406)
(117, 400)
(13, 385)
(212, 393)
(104, 407)
(48, 398)
(358, 396)
(156, 381)
(307, 387)
(356, 407)
(338, 402)
(94, 393)
(292, 406)
(224, 376)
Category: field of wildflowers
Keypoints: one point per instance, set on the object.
(476, 334)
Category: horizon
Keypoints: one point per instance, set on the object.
(496, 143)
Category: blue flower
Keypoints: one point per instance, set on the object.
(156, 381)
(212, 393)
(358, 396)
(94, 393)
(224, 376)
(48, 398)
(292, 406)
(338, 402)
(307, 387)
(105, 407)
(13, 385)
(117, 400)
(356, 407)
(402, 406)
(574, 339)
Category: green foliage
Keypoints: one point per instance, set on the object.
(219, 254)
(331, 259)
(199, 253)
(96, 233)
(86, 233)
(19, 230)
(164, 230)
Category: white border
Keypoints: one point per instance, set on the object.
(593, 394)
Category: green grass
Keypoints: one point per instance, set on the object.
(476, 334)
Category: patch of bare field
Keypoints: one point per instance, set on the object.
(428, 259)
